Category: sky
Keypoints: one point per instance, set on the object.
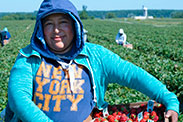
(33, 5)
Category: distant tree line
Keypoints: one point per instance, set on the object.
(84, 14)
(131, 13)
(18, 16)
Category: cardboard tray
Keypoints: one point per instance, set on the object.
(137, 105)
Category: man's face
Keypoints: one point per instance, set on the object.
(58, 32)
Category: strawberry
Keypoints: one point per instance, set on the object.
(123, 118)
(129, 120)
(133, 116)
(117, 117)
(110, 116)
(97, 120)
(103, 119)
(114, 114)
(146, 115)
(96, 115)
(119, 113)
(153, 114)
(143, 120)
(156, 118)
(112, 119)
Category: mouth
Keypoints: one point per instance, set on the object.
(57, 38)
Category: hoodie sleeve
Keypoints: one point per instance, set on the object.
(132, 76)
(20, 93)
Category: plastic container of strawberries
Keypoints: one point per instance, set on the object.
(132, 112)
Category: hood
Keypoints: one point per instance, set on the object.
(38, 42)
(5, 29)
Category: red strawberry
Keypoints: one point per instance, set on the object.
(146, 115)
(123, 118)
(133, 116)
(114, 114)
(100, 113)
(112, 119)
(156, 118)
(129, 120)
(96, 115)
(119, 113)
(110, 116)
(117, 117)
(103, 119)
(153, 114)
(97, 120)
(143, 120)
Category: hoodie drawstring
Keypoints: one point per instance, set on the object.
(69, 68)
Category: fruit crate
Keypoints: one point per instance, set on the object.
(148, 111)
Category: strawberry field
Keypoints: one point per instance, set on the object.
(157, 48)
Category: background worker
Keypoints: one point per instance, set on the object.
(5, 36)
(85, 35)
(121, 39)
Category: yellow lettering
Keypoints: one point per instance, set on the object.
(44, 70)
(57, 73)
(74, 101)
(54, 87)
(65, 87)
(46, 102)
(41, 83)
(58, 99)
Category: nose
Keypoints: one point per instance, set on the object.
(57, 30)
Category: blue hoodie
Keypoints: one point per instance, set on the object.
(57, 6)
(103, 66)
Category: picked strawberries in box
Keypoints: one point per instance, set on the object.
(134, 112)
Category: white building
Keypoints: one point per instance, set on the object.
(145, 15)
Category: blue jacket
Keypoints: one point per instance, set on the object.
(104, 67)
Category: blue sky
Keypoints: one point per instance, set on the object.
(32, 5)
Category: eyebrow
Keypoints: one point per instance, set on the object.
(64, 16)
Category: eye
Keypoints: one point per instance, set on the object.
(63, 21)
(47, 23)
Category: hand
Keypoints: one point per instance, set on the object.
(172, 114)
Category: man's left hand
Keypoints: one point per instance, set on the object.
(172, 115)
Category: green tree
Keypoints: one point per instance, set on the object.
(110, 15)
(177, 14)
(84, 14)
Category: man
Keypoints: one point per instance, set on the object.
(121, 39)
(85, 35)
(60, 78)
(5, 36)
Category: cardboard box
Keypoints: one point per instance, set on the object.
(138, 106)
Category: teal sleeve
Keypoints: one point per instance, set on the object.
(132, 76)
(20, 93)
